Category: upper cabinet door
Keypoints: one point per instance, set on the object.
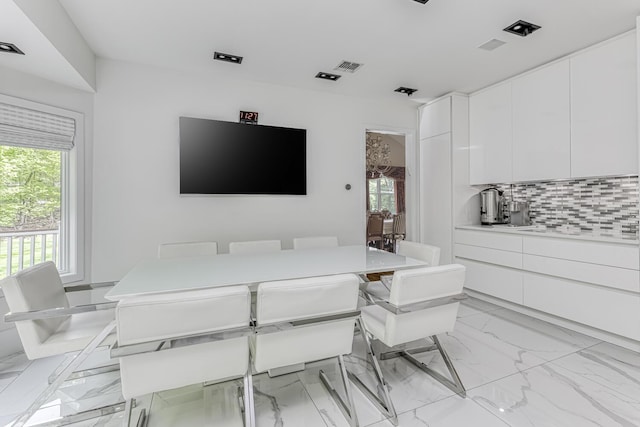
(435, 118)
(490, 135)
(604, 110)
(541, 124)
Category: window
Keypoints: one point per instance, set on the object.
(41, 188)
(382, 194)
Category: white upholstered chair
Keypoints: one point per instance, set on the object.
(48, 326)
(186, 249)
(45, 322)
(421, 303)
(172, 340)
(429, 254)
(315, 242)
(306, 320)
(254, 247)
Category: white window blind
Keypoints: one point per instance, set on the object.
(24, 127)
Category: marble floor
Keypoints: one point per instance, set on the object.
(518, 371)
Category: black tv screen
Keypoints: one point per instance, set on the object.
(218, 157)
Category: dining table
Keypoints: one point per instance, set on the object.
(155, 276)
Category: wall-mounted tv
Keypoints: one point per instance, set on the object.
(218, 157)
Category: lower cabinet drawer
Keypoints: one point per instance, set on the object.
(491, 256)
(499, 282)
(607, 309)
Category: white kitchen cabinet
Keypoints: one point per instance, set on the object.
(436, 118)
(604, 109)
(435, 200)
(490, 135)
(500, 282)
(596, 283)
(541, 124)
(607, 309)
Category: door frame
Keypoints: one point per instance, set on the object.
(412, 202)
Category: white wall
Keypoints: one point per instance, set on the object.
(137, 204)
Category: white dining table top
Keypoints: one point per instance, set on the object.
(178, 274)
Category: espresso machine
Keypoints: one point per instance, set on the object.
(493, 209)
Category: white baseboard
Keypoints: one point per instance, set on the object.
(574, 326)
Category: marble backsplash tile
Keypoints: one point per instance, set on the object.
(593, 204)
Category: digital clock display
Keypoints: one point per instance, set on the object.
(249, 117)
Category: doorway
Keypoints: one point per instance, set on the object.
(386, 189)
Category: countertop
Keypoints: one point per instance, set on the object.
(541, 231)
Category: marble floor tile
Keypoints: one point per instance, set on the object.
(552, 396)
(532, 336)
(480, 358)
(18, 395)
(451, 412)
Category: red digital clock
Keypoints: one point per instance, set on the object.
(249, 117)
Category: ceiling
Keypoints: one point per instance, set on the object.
(431, 47)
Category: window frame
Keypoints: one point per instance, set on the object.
(72, 192)
(379, 193)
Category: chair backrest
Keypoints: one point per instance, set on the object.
(315, 242)
(36, 288)
(399, 224)
(255, 247)
(375, 225)
(187, 249)
(419, 285)
(288, 300)
(429, 254)
(167, 316)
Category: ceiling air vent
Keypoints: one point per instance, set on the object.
(348, 66)
(491, 44)
(10, 48)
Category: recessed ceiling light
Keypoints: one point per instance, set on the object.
(10, 48)
(406, 90)
(522, 28)
(327, 76)
(227, 57)
(422, 1)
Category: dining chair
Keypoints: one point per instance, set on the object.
(306, 320)
(428, 253)
(375, 228)
(168, 341)
(399, 229)
(186, 249)
(48, 325)
(420, 304)
(315, 242)
(256, 246)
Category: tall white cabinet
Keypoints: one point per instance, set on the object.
(490, 135)
(604, 109)
(445, 195)
(541, 134)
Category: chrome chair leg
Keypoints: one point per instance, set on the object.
(64, 374)
(454, 384)
(381, 399)
(249, 413)
(347, 408)
(86, 372)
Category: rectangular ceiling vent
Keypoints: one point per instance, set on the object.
(348, 66)
(491, 45)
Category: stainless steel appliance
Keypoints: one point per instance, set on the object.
(519, 213)
(492, 207)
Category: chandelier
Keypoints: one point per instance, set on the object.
(378, 156)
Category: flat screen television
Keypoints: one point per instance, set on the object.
(218, 157)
